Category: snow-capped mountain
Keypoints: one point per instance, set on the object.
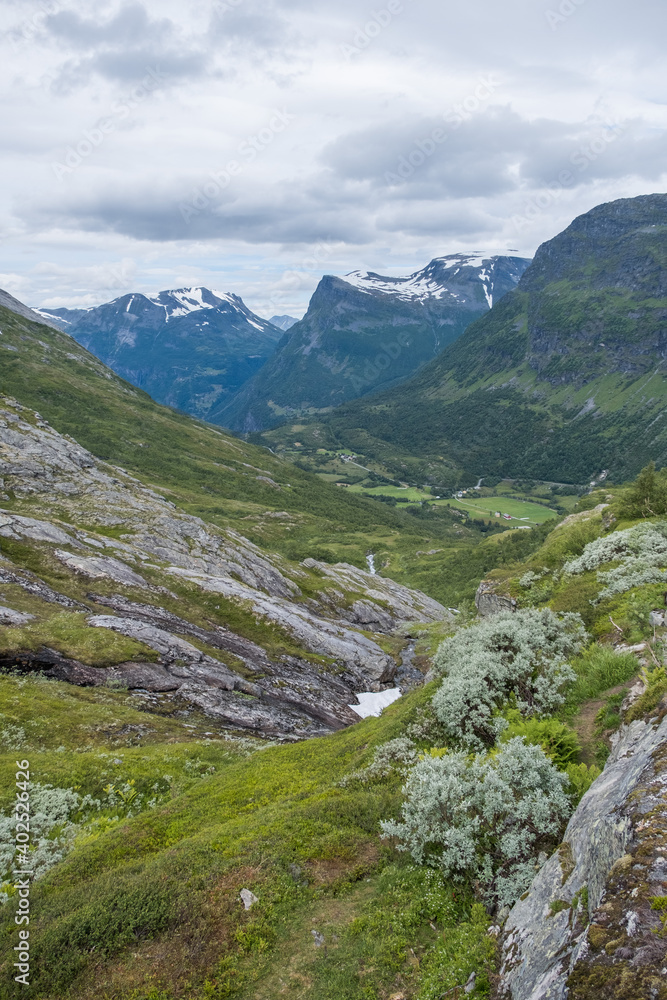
(190, 348)
(366, 331)
(444, 277)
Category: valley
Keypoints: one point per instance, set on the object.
(195, 625)
(563, 379)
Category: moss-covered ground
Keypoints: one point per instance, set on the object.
(149, 906)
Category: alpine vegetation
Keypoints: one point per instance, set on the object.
(483, 817)
(53, 826)
(518, 658)
(641, 554)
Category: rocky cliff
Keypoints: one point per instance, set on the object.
(563, 378)
(593, 923)
(366, 331)
(245, 636)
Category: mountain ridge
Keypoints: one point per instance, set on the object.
(365, 331)
(562, 378)
(189, 347)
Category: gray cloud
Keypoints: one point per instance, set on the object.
(130, 24)
(121, 47)
(357, 165)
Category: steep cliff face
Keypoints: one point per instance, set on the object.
(563, 378)
(367, 331)
(592, 924)
(245, 636)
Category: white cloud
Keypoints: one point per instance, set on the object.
(357, 118)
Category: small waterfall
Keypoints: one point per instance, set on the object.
(370, 559)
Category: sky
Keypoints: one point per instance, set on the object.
(253, 146)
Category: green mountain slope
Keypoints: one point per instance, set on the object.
(365, 332)
(146, 904)
(564, 378)
(227, 482)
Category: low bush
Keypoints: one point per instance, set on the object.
(521, 656)
(484, 818)
(641, 554)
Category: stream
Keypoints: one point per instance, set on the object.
(370, 559)
(408, 676)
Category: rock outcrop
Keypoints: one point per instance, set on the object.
(590, 926)
(489, 599)
(324, 639)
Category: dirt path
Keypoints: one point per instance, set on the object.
(584, 722)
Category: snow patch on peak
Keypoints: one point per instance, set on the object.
(183, 301)
(51, 316)
(433, 281)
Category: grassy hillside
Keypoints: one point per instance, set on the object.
(563, 378)
(208, 472)
(145, 906)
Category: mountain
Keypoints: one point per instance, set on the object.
(165, 548)
(562, 379)
(205, 800)
(366, 331)
(283, 322)
(190, 348)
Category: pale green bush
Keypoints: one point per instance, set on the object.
(54, 816)
(519, 656)
(641, 552)
(395, 756)
(484, 818)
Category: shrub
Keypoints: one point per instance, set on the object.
(53, 816)
(395, 756)
(641, 552)
(483, 818)
(519, 656)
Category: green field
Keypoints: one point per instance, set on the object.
(519, 510)
(485, 507)
(411, 493)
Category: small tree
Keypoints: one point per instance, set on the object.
(518, 656)
(647, 497)
(484, 818)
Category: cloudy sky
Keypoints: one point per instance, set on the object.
(253, 145)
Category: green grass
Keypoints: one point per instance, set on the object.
(68, 633)
(520, 510)
(151, 902)
(410, 493)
